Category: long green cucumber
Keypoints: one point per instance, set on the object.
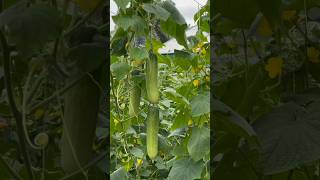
(152, 131)
(152, 79)
(81, 108)
(134, 101)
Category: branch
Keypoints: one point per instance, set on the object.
(53, 96)
(85, 19)
(12, 103)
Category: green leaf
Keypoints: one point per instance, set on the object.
(183, 59)
(175, 25)
(231, 120)
(271, 9)
(175, 30)
(88, 56)
(138, 53)
(185, 169)
(30, 28)
(118, 42)
(176, 16)
(136, 23)
(241, 12)
(119, 174)
(181, 120)
(290, 136)
(200, 104)
(157, 10)
(176, 97)
(122, 3)
(137, 152)
(199, 143)
(120, 70)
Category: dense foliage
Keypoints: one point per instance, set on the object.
(53, 74)
(266, 89)
(159, 121)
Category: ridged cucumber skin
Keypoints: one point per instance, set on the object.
(81, 108)
(152, 132)
(152, 79)
(134, 101)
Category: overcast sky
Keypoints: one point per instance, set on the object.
(186, 7)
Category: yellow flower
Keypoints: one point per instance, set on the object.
(196, 83)
(139, 162)
(274, 66)
(313, 54)
(289, 15)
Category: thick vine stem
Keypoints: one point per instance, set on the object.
(17, 115)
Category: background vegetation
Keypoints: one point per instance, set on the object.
(49, 49)
(266, 89)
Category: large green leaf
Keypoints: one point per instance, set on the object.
(31, 27)
(118, 42)
(157, 10)
(199, 143)
(271, 9)
(290, 136)
(183, 59)
(89, 56)
(138, 53)
(120, 70)
(181, 119)
(185, 169)
(175, 97)
(200, 104)
(119, 174)
(175, 25)
(231, 120)
(122, 3)
(136, 23)
(241, 12)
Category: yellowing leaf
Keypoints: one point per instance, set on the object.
(313, 54)
(190, 122)
(137, 62)
(207, 78)
(274, 66)
(87, 5)
(115, 122)
(39, 114)
(289, 15)
(264, 28)
(203, 51)
(196, 83)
